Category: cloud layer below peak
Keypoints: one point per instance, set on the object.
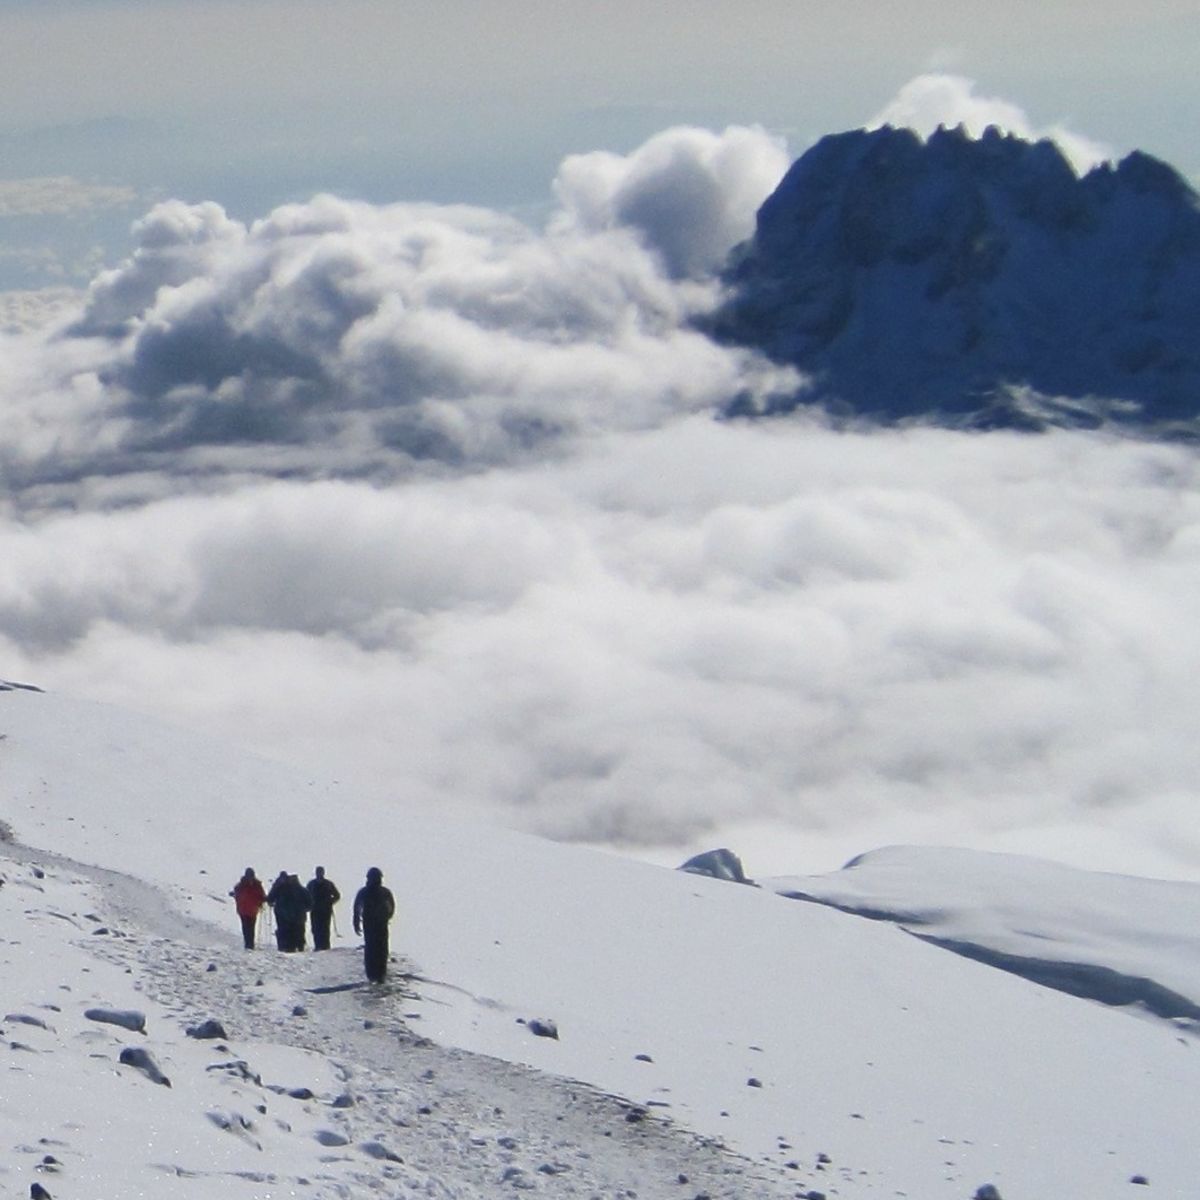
(437, 501)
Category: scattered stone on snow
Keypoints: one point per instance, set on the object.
(642, 1058)
(988, 1191)
(380, 1151)
(126, 1018)
(753, 1082)
(1140, 1179)
(235, 1123)
(142, 1060)
(239, 1068)
(330, 1137)
(207, 1030)
(26, 1019)
(542, 1027)
(345, 1100)
(37, 1192)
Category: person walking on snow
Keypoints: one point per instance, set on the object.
(374, 907)
(289, 899)
(322, 896)
(248, 898)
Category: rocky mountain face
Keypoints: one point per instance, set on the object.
(978, 283)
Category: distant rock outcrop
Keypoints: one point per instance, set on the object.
(719, 864)
(977, 283)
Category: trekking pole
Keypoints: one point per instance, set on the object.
(336, 931)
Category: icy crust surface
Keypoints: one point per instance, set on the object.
(978, 282)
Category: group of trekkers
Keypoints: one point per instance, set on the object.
(295, 905)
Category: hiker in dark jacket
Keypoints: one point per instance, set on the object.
(374, 907)
(248, 898)
(289, 901)
(322, 896)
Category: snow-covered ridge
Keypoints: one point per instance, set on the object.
(825, 1054)
(1118, 939)
(977, 282)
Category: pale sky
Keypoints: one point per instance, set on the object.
(253, 102)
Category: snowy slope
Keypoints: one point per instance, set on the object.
(791, 1032)
(1117, 938)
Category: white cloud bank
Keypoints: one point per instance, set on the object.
(351, 337)
(438, 499)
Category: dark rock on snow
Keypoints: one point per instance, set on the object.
(126, 1018)
(141, 1060)
(239, 1068)
(26, 1019)
(207, 1030)
(719, 864)
(380, 1151)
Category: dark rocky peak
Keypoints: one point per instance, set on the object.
(940, 278)
(1145, 173)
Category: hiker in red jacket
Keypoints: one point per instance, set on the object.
(249, 897)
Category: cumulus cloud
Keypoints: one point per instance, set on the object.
(936, 99)
(334, 330)
(691, 194)
(437, 501)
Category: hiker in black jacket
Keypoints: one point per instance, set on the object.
(322, 896)
(289, 901)
(374, 907)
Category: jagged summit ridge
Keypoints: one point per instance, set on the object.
(976, 281)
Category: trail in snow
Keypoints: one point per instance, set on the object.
(399, 1115)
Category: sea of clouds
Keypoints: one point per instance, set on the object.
(439, 501)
